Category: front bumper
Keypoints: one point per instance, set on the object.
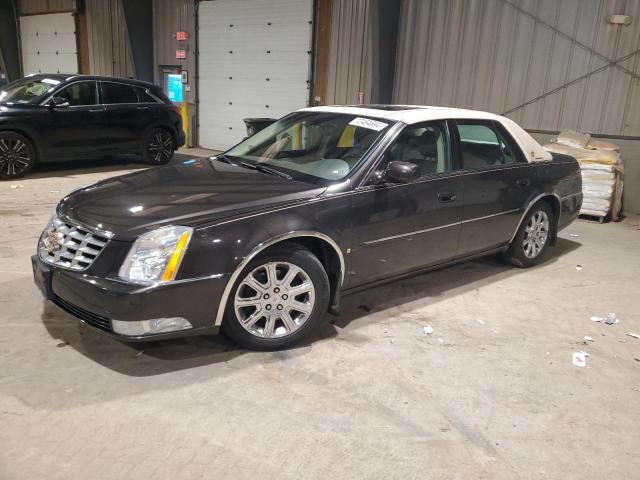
(97, 301)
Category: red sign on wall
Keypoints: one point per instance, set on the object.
(181, 54)
(181, 35)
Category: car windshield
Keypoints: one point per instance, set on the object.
(27, 90)
(316, 147)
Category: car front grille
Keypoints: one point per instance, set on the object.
(70, 246)
(87, 317)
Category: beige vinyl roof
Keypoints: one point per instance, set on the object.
(411, 114)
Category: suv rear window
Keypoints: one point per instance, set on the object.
(118, 93)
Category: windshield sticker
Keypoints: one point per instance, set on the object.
(368, 123)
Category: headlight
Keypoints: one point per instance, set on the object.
(155, 256)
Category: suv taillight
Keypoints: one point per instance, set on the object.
(175, 108)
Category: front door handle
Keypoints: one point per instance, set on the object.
(446, 197)
(94, 110)
(142, 108)
(523, 182)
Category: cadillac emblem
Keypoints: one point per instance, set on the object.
(52, 241)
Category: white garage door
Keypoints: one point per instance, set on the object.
(48, 43)
(254, 61)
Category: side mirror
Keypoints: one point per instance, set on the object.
(58, 102)
(401, 172)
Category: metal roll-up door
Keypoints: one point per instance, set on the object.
(254, 61)
(48, 43)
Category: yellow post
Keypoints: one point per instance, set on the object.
(184, 112)
(297, 136)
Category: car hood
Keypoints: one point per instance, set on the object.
(192, 193)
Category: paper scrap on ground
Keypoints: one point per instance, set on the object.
(587, 338)
(634, 335)
(579, 359)
(578, 267)
(610, 319)
(428, 329)
(574, 235)
(17, 186)
(480, 321)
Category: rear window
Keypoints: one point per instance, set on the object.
(118, 93)
(145, 97)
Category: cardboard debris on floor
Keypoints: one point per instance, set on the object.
(602, 172)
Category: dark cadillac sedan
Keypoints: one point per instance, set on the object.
(262, 240)
(58, 117)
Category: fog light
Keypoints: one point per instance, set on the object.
(149, 327)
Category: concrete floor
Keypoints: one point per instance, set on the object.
(491, 393)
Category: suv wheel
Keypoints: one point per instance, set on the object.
(279, 298)
(158, 147)
(533, 237)
(17, 155)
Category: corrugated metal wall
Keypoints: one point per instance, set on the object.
(544, 63)
(108, 42)
(169, 17)
(30, 7)
(350, 52)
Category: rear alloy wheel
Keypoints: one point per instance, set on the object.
(17, 155)
(278, 299)
(159, 147)
(533, 237)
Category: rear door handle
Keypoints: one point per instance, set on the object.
(142, 108)
(446, 197)
(523, 182)
(94, 110)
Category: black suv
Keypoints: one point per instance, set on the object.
(67, 117)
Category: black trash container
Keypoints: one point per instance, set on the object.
(254, 125)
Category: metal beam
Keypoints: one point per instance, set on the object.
(385, 16)
(138, 17)
(9, 44)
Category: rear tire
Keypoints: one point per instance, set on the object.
(278, 299)
(533, 237)
(17, 155)
(158, 147)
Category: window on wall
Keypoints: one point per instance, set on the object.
(484, 146)
(424, 145)
(78, 94)
(118, 93)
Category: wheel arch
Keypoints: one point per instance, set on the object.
(551, 199)
(321, 245)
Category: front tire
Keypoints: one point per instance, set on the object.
(158, 147)
(278, 299)
(17, 155)
(533, 237)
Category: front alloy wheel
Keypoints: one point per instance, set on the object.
(279, 297)
(17, 156)
(159, 147)
(274, 300)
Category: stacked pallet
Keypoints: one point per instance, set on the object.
(602, 172)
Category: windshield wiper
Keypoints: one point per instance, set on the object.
(265, 169)
(224, 159)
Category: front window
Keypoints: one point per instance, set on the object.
(79, 94)
(28, 90)
(317, 147)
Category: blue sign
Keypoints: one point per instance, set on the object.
(174, 87)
